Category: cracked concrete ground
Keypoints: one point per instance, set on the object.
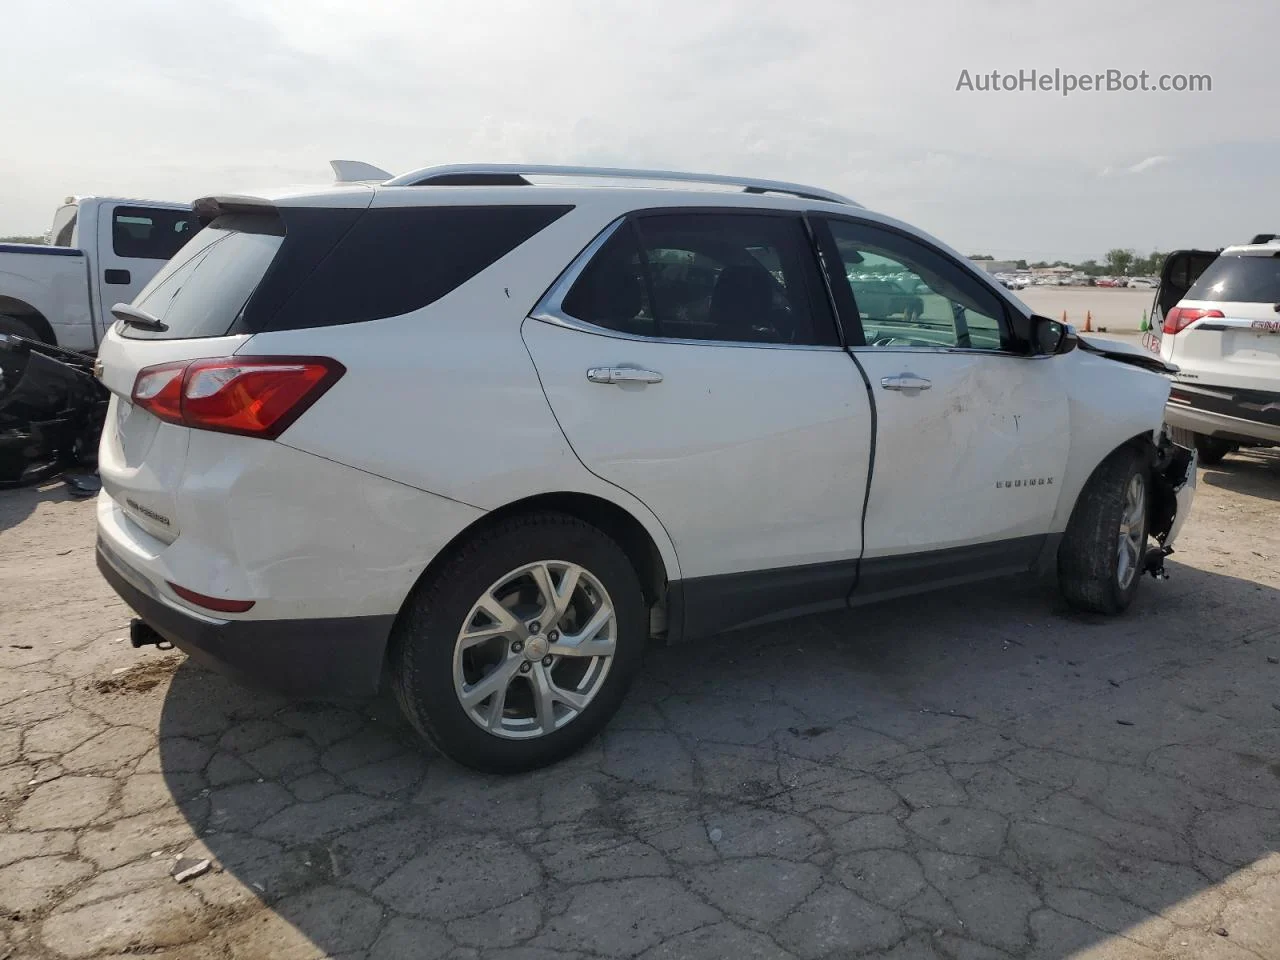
(978, 774)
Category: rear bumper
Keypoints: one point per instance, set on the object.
(1242, 416)
(339, 656)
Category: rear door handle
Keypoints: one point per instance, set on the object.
(116, 276)
(623, 375)
(905, 381)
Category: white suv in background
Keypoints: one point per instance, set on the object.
(486, 435)
(1224, 336)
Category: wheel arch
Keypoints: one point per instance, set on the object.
(654, 566)
(21, 310)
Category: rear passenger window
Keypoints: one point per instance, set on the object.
(611, 292)
(148, 234)
(728, 277)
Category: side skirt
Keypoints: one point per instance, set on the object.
(704, 606)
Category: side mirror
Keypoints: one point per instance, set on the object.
(1049, 337)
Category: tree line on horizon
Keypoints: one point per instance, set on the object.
(1119, 262)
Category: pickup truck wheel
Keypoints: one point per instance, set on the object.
(1100, 559)
(19, 328)
(522, 646)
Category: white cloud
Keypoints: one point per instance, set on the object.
(1144, 165)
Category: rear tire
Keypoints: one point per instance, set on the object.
(1101, 557)
(514, 569)
(1209, 450)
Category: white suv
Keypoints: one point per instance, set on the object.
(1224, 336)
(487, 435)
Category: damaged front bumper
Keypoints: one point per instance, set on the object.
(1173, 481)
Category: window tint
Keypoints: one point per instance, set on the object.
(201, 292)
(908, 294)
(1239, 279)
(304, 267)
(713, 276)
(150, 234)
(611, 291)
(395, 260)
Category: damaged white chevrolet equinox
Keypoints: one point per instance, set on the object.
(485, 430)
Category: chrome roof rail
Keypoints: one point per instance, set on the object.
(513, 174)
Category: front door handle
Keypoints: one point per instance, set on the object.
(905, 381)
(623, 375)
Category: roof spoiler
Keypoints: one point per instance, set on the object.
(357, 171)
(208, 209)
(1263, 238)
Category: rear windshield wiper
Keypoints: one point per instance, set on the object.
(138, 318)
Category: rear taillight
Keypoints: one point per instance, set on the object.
(1179, 318)
(251, 396)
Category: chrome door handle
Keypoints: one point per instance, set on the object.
(905, 381)
(623, 375)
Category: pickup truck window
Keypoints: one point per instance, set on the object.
(63, 237)
(147, 233)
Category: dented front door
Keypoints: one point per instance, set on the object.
(975, 457)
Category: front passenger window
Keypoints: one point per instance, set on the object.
(908, 295)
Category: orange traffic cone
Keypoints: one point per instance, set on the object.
(1088, 321)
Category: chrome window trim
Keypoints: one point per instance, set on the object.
(977, 351)
(550, 309)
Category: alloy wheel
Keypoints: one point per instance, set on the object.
(535, 649)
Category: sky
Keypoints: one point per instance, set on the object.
(176, 100)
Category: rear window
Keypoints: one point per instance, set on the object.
(311, 267)
(1240, 279)
(201, 292)
(149, 234)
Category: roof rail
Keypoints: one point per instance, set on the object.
(513, 174)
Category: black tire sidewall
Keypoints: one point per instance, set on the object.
(1088, 566)
(19, 328)
(425, 638)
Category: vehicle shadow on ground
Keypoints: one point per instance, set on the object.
(978, 772)
(18, 503)
(1254, 473)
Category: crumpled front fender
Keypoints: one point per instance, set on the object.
(1173, 479)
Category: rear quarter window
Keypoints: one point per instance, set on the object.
(300, 267)
(1240, 279)
(395, 260)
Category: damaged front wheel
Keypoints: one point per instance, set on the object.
(1103, 553)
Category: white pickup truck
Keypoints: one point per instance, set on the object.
(101, 251)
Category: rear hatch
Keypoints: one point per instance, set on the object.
(211, 298)
(1226, 330)
(1181, 269)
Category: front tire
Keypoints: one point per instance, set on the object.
(521, 647)
(1101, 557)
